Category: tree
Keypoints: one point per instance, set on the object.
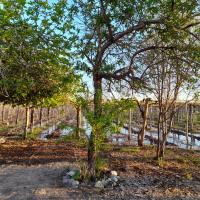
(143, 107)
(34, 59)
(168, 78)
(113, 34)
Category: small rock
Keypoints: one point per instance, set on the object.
(99, 184)
(71, 173)
(122, 187)
(113, 173)
(70, 182)
(114, 179)
(2, 140)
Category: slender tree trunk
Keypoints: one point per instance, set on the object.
(2, 113)
(144, 124)
(32, 110)
(8, 115)
(48, 115)
(17, 116)
(40, 116)
(97, 131)
(130, 125)
(186, 128)
(78, 121)
(158, 143)
(27, 122)
(191, 117)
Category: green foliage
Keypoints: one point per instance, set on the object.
(34, 54)
(195, 160)
(161, 162)
(4, 128)
(133, 150)
(106, 147)
(110, 114)
(77, 175)
(34, 133)
(64, 125)
(72, 137)
(100, 165)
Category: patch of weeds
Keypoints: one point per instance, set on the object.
(66, 138)
(77, 175)
(161, 162)
(133, 150)
(147, 154)
(195, 160)
(4, 128)
(83, 171)
(101, 165)
(72, 137)
(63, 125)
(106, 147)
(188, 176)
(34, 134)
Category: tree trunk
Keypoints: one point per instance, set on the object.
(32, 119)
(8, 115)
(186, 128)
(40, 117)
(191, 117)
(162, 147)
(48, 115)
(158, 143)
(27, 121)
(78, 121)
(141, 134)
(96, 131)
(17, 116)
(2, 113)
(130, 125)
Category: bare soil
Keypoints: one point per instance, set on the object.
(32, 170)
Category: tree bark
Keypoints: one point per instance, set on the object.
(141, 134)
(27, 121)
(17, 116)
(40, 117)
(2, 113)
(130, 125)
(32, 110)
(191, 117)
(97, 131)
(48, 114)
(186, 128)
(78, 121)
(158, 144)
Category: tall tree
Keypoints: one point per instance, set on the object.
(34, 52)
(112, 35)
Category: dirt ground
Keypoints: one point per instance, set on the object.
(33, 171)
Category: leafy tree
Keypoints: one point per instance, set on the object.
(114, 35)
(34, 53)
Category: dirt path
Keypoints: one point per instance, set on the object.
(19, 182)
(33, 171)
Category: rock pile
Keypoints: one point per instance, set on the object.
(109, 181)
(69, 178)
